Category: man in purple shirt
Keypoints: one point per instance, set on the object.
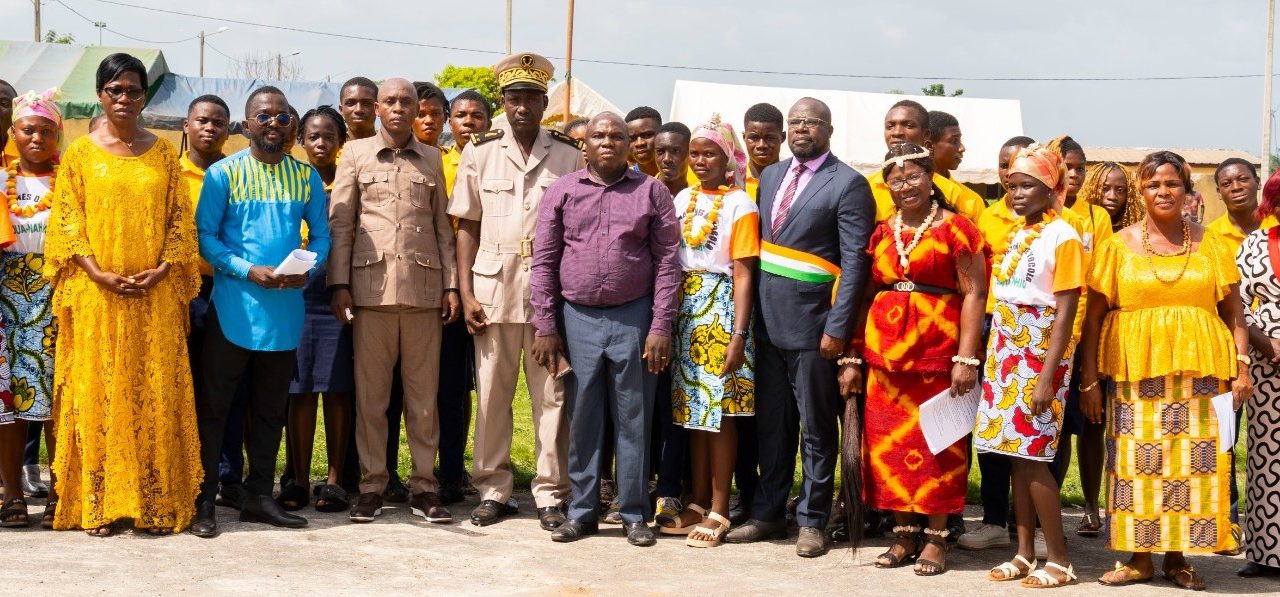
(605, 274)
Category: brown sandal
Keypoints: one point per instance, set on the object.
(1090, 526)
(939, 539)
(50, 512)
(1193, 582)
(1122, 575)
(13, 514)
(907, 537)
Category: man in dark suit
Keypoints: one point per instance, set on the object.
(816, 217)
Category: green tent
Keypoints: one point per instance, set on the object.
(71, 68)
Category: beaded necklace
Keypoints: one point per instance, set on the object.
(11, 193)
(695, 240)
(904, 252)
(1008, 260)
(1151, 251)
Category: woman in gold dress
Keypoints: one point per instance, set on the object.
(1164, 324)
(121, 249)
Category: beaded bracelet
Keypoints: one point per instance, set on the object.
(970, 361)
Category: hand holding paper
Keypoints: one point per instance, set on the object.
(299, 261)
(946, 418)
(1223, 407)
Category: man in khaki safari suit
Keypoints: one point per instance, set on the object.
(501, 177)
(393, 278)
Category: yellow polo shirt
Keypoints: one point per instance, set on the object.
(194, 176)
(1233, 234)
(10, 151)
(450, 157)
(966, 201)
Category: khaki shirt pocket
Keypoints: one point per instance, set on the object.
(375, 188)
(496, 196)
(487, 280)
(429, 276)
(368, 274)
(421, 190)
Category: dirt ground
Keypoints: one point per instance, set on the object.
(402, 553)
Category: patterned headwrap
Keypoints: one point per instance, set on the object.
(1041, 164)
(42, 104)
(721, 133)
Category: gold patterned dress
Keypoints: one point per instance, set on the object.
(127, 440)
(1168, 353)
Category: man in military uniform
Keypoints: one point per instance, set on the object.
(501, 177)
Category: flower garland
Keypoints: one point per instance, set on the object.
(695, 240)
(1008, 260)
(904, 252)
(11, 193)
(1151, 251)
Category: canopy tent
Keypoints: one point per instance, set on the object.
(584, 102)
(168, 107)
(859, 120)
(71, 68)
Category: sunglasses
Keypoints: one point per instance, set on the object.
(133, 93)
(281, 119)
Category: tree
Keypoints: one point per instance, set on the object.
(940, 90)
(52, 37)
(479, 78)
(265, 66)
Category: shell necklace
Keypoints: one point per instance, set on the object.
(904, 252)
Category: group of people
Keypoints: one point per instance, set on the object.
(690, 309)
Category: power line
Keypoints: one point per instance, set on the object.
(124, 35)
(685, 67)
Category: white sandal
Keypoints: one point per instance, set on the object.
(715, 533)
(685, 530)
(1009, 571)
(1044, 580)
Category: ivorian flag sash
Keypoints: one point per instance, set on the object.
(798, 265)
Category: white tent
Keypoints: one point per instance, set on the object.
(584, 102)
(859, 120)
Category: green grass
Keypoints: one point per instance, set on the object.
(523, 462)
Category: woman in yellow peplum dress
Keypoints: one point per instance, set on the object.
(121, 249)
(1164, 325)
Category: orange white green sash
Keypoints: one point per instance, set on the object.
(798, 265)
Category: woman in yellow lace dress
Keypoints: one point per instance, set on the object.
(1164, 324)
(121, 249)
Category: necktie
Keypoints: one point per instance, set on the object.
(788, 196)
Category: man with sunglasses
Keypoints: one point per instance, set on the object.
(250, 214)
(392, 275)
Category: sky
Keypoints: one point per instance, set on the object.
(938, 40)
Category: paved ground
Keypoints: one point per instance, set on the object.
(402, 553)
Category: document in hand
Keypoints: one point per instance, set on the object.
(1223, 407)
(299, 261)
(946, 419)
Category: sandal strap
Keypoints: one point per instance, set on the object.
(696, 508)
(1044, 578)
(724, 522)
(1030, 565)
(1068, 570)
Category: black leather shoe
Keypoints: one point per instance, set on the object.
(261, 508)
(811, 543)
(206, 524)
(573, 530)
(739, 515)
(1256, 570)
(231, 496)
(639, 534)
(452, 491)
(550, 518)
(489, 512)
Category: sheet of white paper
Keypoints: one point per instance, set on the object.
(1224, 408)
(945, 419)
(299, 261)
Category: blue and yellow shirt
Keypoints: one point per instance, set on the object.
(251, 213)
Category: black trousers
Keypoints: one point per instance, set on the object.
(796, 389)
(268, 374)
(453, 399)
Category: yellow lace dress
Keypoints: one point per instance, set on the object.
(126, 423)
(1167, 353)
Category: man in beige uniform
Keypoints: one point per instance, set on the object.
(500, 180)
(392, 268)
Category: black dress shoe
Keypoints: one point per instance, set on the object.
(452, 491)
(232, 496)
(639, 534)
(550, 518)
(573, 530)
(489, 512)
(261, 508)
(206, 524)
(1256, 570)
(739, 515)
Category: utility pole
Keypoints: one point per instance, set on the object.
(568, 68)
(36, 4)
(1266, 90)
(280, 63)
(202, 36)
(508, 27)
(100, 25)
